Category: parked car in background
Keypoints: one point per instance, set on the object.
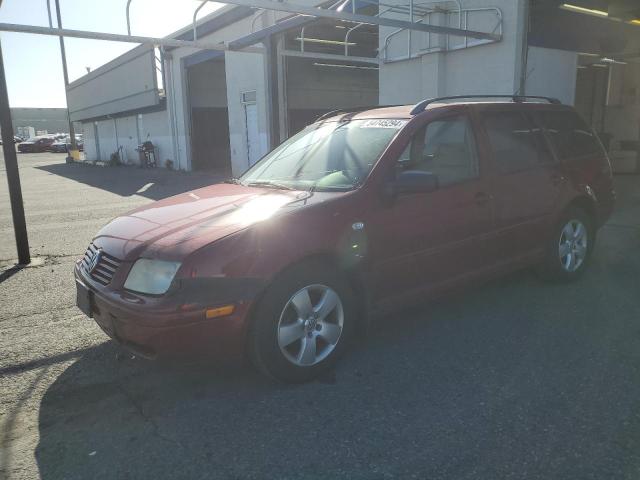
(64, 145)
(36, 144)
(59, 146)
(361, 212)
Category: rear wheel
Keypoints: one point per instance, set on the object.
(569, 251)
(302, 324)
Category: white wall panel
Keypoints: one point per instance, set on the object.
(127, 83)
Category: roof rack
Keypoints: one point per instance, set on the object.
(420, 107)
(333, 113)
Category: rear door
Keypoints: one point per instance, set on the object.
(428, 240)
(527, 180)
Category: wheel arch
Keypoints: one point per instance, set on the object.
(354, 276)
(587, 204)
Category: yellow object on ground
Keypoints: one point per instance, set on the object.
(75, 154)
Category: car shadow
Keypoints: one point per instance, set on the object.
(152, 183)
(514, 378)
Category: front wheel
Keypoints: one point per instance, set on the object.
(302, 324)
(570, 249)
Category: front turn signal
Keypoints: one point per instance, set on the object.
(220, 311)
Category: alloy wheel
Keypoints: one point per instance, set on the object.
(572, 248)
(310, 325)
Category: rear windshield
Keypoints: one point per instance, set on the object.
(326, 156)
(569, 134)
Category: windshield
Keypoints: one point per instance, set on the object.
(326, 157)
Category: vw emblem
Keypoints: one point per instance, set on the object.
(95, 260)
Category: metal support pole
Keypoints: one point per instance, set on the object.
(128, 17)
(49, 13)
(63, 54)
(13, 175)
(195, 20)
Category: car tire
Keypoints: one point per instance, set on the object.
(568, 252)
(302, 324)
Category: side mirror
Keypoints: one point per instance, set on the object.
(413, 181)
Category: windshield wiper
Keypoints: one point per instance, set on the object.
(269, 184)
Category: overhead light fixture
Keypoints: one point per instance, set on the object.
(588, 11)
(599, 65)
(612, 61)
(635, 22)
(336, 65)
(324, 42)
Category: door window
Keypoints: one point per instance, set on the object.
(445, 148)
(516, 142)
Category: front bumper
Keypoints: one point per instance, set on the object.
(163, 328)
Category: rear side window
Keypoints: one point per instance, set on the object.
(516, 142)
(569, 134)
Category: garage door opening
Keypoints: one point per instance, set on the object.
(607, 98)
(318, 81)
(209, 117)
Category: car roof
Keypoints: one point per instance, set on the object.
(405, 111)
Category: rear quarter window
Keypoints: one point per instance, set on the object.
(570, 136)
(516, 142)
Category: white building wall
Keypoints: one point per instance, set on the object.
(108, 144)
(487, 69)
(90, 150)
(552, 73)
(128, 139)
(153, 127)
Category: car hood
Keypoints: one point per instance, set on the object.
(176, 226)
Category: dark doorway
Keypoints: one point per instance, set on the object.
(210, 138)
(591, 94)
(210, 148)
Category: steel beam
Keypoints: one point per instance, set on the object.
(13, 174)
(359, 18)
(113, 37)
(65, 75)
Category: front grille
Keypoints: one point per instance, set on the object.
(103, 269)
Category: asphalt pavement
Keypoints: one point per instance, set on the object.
(516, 379)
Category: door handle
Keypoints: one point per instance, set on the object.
(482, 198)
(557, 178)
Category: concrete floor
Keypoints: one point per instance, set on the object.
(516, 379)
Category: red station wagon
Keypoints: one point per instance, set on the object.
(360, 212)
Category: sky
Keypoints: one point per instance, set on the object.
(32, 62)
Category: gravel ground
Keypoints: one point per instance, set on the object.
(515, 379)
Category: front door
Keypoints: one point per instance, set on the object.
(429, 240)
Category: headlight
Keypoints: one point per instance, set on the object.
(151, 276)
